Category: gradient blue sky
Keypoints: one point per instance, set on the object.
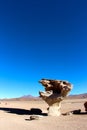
(42, 39)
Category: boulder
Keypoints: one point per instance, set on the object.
(85, 105)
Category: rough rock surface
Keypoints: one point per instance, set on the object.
(55, 92)
(85, 105)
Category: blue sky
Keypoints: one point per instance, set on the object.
(42, 39)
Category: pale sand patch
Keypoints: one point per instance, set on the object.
(11, 119)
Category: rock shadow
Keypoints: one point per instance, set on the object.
(75, 112)
(78, 112)
(19, 111)
(81, 113)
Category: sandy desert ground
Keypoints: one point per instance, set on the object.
(15, 115)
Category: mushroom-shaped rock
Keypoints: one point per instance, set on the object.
(55, 92)
(85, 105)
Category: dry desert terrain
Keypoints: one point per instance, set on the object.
(15, 115)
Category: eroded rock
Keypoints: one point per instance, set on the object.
(55, 92)
(85, 105)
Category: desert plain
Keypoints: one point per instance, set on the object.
(15, 115)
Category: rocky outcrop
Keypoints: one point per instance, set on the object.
(85, 105)
(55, 92)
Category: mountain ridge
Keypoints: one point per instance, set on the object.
(30, 97)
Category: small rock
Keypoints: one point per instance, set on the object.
(67, 113)
(35, 117)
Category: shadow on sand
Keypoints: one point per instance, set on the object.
(81, 113)
(75, 112)
(20, 111)
(78, 112)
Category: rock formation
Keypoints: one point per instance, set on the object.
(85, 105)
(55, 92)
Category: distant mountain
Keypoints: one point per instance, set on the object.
(23, 98)
(32, 98)
(78, 96)
(28, 97)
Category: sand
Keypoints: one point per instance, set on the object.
(15, 115)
